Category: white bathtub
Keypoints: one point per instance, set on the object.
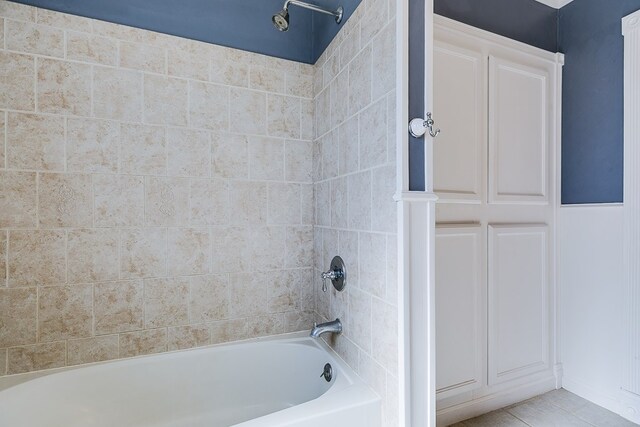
(269, 382)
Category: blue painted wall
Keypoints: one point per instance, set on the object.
(592, 133)
(527, 21)
(242, 24)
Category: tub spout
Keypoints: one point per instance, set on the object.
(329, 327)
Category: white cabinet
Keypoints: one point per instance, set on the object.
(494, 173)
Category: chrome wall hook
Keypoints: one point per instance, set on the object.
(418, 127)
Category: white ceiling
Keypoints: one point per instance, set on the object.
(556, 3)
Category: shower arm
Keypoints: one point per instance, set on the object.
(337, 14)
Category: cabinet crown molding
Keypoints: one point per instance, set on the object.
(630, 23)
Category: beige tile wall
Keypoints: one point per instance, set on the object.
(155, 193)
(152, 189)
(355, 179)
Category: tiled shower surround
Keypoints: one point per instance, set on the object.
(354, 181)
(158, 193)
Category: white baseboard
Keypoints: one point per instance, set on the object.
(501, 399)
(624, 404)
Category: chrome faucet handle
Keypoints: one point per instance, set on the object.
(330, 275)
(337, 274)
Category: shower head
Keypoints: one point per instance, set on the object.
(281, 20)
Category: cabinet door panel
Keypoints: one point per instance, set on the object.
(518, 301)
(460, 311)
(518, 132)
(459, 109)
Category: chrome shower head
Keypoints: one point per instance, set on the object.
(281, 20)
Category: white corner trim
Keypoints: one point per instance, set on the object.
(631, 31)
(558, 4)
(630, 23)
(415, 196)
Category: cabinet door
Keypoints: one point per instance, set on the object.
(518, 132)
(459, 313)
(518, 301)
(460, 108)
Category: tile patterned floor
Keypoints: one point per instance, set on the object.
(558, 408)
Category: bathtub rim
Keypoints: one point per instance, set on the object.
(12, 380)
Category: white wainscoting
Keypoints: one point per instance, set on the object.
(591, 284)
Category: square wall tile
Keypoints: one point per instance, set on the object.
(266, 159)
(142, 57)
(3, 257)
(190, 251)
(118, 200)
(261, 326)
(91, 48)
(3, 362)
(373, 135)
(167, 201)
(384, 64)
(143, 252)
(360, 70)
(283, 292)
(208, 106)
(188, 152)
(143, 149)
(359, 196)
(230, 249)
(91, 350)
(248, 202)
(383, 184)
(225, 72)
(265, 240)
(64, 87)
(298, 161)
(35, 142)
(209, 298)
(248, 295)
(183, 337)
(284, 203)
(166, 302)
(248, 111)
(209, 202)
(18, 316)
(188, 64)
(66, 200)
(266, 79)
(119, 307)
(229, 156)
(299, 247)
(117, 94)
(283, 116)
(228, 330)
(372, 263)
(92, 255)
(92, 146)
(36, 357)
(359, 327)
(18, 11)
(17, 74)
(63, 20)
(385, 341)
(36, 257)
(143, 342)
(65, 312)
(18, 199)
(165, 100)
(28, 37)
